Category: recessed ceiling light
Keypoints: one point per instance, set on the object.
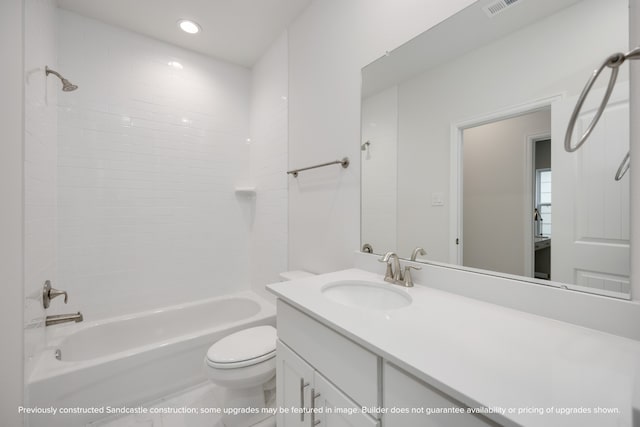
(188, 26)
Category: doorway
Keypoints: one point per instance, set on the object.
(542, 211)
(499, 192)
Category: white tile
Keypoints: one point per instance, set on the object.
(145, 198)
(41, 95)
(268, 158)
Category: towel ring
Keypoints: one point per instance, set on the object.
(614, 61)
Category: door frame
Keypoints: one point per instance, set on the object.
(530, 202)
(455, 183)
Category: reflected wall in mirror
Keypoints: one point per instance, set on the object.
(506, 203)
(462, 145)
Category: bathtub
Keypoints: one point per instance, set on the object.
(129, 360)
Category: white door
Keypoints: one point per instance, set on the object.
(590, 210)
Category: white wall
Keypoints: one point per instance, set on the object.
(40, 172)
(379, 173)
(268, 161)
(472, 86)
(328, 45)
(149, 157)
(497, 193)
(11, 210)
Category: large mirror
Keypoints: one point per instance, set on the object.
(463, 145)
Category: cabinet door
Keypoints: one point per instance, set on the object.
(403, 391)
(335, 408)
(352, 368)
(294, 380)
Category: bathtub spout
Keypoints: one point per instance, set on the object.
(62, 318)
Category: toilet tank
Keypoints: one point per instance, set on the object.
(294, 275)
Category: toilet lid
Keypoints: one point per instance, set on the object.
(243, 348)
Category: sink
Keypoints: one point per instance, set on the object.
(364, 294)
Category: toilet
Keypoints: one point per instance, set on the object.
(244, 363)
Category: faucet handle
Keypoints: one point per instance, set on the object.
(408, 280)
(49, 293)
(56, 293)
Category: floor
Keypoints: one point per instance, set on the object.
(200, 400)
(197, 399)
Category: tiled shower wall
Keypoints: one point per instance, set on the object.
(40, 146)
(269, 94)
(150, 152)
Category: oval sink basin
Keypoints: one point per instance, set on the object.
(371, 295)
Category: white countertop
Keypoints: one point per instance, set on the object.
(486, 355)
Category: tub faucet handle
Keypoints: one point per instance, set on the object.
(49, 293)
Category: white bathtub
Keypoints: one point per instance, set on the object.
(128, 360)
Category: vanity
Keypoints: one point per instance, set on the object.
(463, 154)
(420, 356)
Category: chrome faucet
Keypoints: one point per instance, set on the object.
(417, 251)
(62, 318)
(394, 273)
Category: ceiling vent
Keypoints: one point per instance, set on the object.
(499, 6)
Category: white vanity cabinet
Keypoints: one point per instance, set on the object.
(402, 390)
(319, 368)
(294, 380)
(301, 389)
(328, 396)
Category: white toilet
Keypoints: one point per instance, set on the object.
(244, 364)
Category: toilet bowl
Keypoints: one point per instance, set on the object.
(244, 364)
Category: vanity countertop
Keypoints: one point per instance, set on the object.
(486, 355)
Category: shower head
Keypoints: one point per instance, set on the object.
(67, 86)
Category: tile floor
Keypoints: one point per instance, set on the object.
(198, 398)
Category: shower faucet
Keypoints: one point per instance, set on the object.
(49, 293)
